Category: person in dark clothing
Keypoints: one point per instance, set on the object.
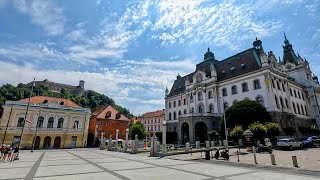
(16, 153)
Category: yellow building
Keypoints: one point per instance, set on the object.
(55, 122)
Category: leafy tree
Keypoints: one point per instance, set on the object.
(273, 129)
(289, 131)
(236, 133)
(138, 129)
(90, 99)
(245, 113)
(259, 130)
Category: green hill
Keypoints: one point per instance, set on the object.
(90, 99)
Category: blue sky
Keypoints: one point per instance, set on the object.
(132, 50)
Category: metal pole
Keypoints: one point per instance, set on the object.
(5, 132)
(35, 134)
(25, 117)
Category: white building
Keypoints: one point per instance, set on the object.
(286, 88)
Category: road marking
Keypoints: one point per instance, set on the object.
(34, 168)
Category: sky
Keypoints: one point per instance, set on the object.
(131, 50)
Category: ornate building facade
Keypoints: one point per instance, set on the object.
(286, 88)
(152, 121)
(50, 123)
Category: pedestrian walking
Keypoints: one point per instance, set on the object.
(2, 152)
(5, 153)
(16, 153)
(9, 153)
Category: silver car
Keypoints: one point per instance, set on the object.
(289, 143)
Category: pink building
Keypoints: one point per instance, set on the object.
(152, 120)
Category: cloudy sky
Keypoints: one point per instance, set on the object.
(131, 50)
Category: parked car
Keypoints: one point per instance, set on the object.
(312, 141)
(289, 143)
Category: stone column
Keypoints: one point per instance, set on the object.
(110, 143)
(102, 144)
(126, 142)
(117, 135)
(187, 147)
(164, 136)
(207, 145)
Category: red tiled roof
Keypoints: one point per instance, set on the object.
(41, 99)
(154, 113)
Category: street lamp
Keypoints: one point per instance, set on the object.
(35, 134)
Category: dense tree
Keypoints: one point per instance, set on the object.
(246, 112)
(259, 130)
(137, 128)
(90, 99)
(273, 129)
(236, 133)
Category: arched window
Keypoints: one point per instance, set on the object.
(287, 103)
(225, 106)
(235, 101)
(210, 96)
(118, 116)
(184, 111)
(259, 99)
(298, 108)
(211, 110)
(179, 113)
(294, 107)
(302, 110)
(174, 115)
(20, 122)
(169, 116)
(277, 102)
(40, 121)
(234, 90)
(200, 109)
(191, 98)
(174, 104)
(305, 110)
(281, 102)
(108, 115)
(200, 96)
(60, 123)
(184, 101)
(50, 122)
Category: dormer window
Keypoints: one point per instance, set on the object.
(118, 116)
(229, 62)
(223, 71)
(61, 103)
(232, 69)
(45, 101)
(108, 115)
(242, 65)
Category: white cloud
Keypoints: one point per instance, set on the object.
(226, 24)
(44, 14)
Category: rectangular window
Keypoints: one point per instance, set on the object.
(234, 90)
(184, 101)
(299, 95)
(283, 87)
(169, 105)
(20, 122)
(245, 87)
(179, 102)
(273, 83)
(278, 85)
(224, 92)
(256, 84)
(290, 91)
(76, 124)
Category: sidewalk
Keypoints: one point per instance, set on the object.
(308, 159)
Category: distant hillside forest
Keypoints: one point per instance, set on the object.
(90, 99)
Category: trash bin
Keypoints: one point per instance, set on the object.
(207, 155)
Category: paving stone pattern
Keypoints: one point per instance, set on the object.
(97, 164)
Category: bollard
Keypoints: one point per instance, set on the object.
(295, 161)
(238, 156)
(273, 159)
(254, 155)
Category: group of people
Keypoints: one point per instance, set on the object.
(8, 153)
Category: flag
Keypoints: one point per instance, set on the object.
(29, 121)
